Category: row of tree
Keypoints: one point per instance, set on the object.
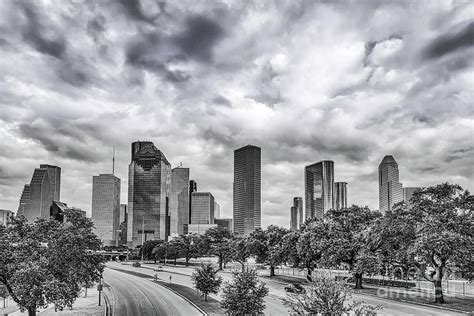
(433, 237)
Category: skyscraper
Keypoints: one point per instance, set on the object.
(149, 185)
(179, 200)
(390, 189)
(408, 194)
(247, 184)
(202, 208)
(319, 188)
(106, 208)
(54, 175)
(340, 195)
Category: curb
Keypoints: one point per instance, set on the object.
(184, 297)
(420, 304)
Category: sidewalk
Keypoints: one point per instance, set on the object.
(83, 306)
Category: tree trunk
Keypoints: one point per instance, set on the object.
(272, 271)
(358, 280)
(439, 298)
(32, 311)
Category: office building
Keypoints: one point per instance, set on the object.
(296, 213)
(202, 208)
(390, 189)
(226, 223)
(179, 200)
(192, 188)
(319, 188)
(408, 194)
(217, 210)
(149, 185)
(246, 193)
(5, 217)
(54, 176)
(25, 197)
(106, 208)
(340, 195)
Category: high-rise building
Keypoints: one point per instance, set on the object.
(340, 195)
(179, 200)
(25, 197)
(106, 208)
(38, 196)
(217, 210)
(390, 189)
(149, 186)
(226, 223)
(319, 188)
(123, 224)
(202, 208)
(54, 175)
(192, 188)
(41, 196)
(408, 194)
(296, 213)
(247, 186)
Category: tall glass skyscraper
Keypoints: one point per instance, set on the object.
(247, 184)
(340, 195)
(390, 189)
(106, 208)
(149, 186)
(319, 188)
(179, 200)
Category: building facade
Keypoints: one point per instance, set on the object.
(390, 189)
(247, 190)
(106, 208)
(202, 208)
(226, 223)
(149, 186)
(408, 194)
(179, 200)
(296, 213)
(340, 195)
(319, 188)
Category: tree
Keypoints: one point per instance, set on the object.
(218, 241)
(206, 279)
(245, 294)
(46, 262)
(326, 296)
(266, 246)
(349, 242)
(147, 249)
(186, 247)
(443, 217)
(240, 251)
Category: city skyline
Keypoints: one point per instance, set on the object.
(397, 81)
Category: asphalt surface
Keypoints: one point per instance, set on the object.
(133, 295)
(273, 301)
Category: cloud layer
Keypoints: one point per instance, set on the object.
(305, 80)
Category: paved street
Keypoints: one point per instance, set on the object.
(181, 275)
(133, 296)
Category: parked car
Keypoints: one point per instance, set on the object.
(136, 264)
(295, 288)
(158, 268)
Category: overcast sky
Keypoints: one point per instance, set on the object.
(349, 81)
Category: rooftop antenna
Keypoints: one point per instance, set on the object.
(113, 160)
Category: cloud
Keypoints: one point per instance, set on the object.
(306, 81)
(451, 41)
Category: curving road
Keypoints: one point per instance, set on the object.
(132, 295)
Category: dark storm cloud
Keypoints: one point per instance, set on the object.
(199, 37)
(450, 42)
(47, 41)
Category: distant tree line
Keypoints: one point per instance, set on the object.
(432, 238)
